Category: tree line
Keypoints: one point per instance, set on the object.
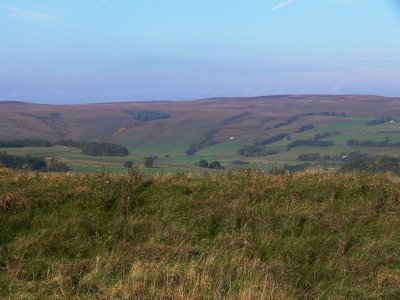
(313, 157)
(315, 141)
(254, 151)
(95, 148)
(28, 162)
(19, 143)
(370, 143)
(290, 120)
(259, 149)
(207, 139)
(215, 165)
(309, 142)
(103, 149)
(374, 164)
(147, 115)
(88, 148)
(381, 120)
(305, 128)
(272, 139)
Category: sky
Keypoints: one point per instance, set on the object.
(82, 51)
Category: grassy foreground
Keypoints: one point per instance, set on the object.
(242, 235)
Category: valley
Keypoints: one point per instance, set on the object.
(259, 131)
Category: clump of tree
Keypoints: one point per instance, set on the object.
(103, 149)
(309, 157)
(271, 139)
(305, 128)
(149, 161)
(296, 117)
(370, 143)
(309, 142)
(374, 164)
(254, 151)
(216, 165)
(235, 118)
(326, 114)
(147, 115)
(69, 143)
(202, 163)
(315, 141)
(95, 148)
(381, 120)
(128, 164)
(206, 140)
(259, 148)
(19, 143)
(56, 166)
(18, 162)
(287, 121)
(323, 135)
(28, 162)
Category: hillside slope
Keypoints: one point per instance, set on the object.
(244, 235)
(261, 131)
(243, 118)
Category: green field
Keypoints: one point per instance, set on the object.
(226, 152)
(236, 122)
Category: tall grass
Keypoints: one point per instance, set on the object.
(243, 235)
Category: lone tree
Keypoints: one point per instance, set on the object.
(148, 162)
(202, 163)
(216, 165)
(128, 164)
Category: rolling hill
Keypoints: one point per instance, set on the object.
(215, 128)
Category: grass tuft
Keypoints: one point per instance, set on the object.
(239, 235)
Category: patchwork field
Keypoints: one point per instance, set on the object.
(215, 128)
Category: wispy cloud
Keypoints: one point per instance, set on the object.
(101, 2)
(30, 15)
(376, 58)
(382, 58)
(282, 5)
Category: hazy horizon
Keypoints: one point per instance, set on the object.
(120, 50)
(191, 99)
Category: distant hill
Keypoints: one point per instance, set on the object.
(178, 124)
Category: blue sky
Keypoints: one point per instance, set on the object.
(69, 51)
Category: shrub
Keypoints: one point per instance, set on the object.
(128, 164)
(202, 163)
(216, 165)
(56, 166)
(148, 162)
(374, 164)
